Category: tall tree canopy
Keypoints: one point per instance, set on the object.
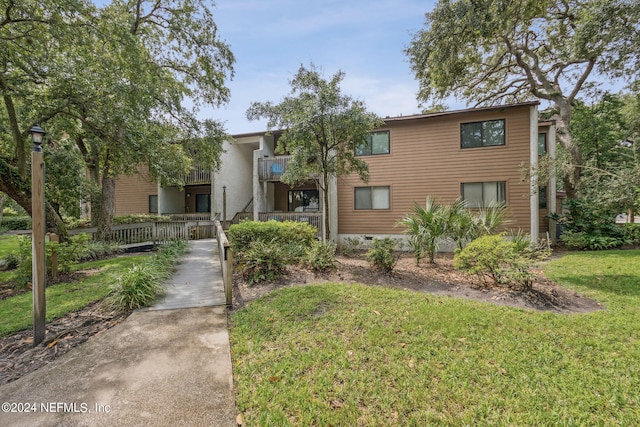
(497, 51)
(113, 81)
(321, 129)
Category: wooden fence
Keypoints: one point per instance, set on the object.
(156, 232)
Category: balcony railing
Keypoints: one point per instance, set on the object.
(272, 168)
(198, 175)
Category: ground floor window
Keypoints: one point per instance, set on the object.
(304, 200)
(372, 198)
(153, 203)
(542, 198)
(482, 194)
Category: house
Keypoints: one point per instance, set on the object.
(478, 154)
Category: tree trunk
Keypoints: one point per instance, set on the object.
(563, 120)
(18, 140)
(3, 199)
(325, 195)
(107, 208)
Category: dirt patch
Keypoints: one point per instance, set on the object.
(18, 357)
(441, 279)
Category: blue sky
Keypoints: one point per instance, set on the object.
(363, 38)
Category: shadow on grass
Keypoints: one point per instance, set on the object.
(616, 271)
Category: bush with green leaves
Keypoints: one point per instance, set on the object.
(589, 225)
(243, 235)
(142, 284)
(349, 246)
(581, 240)
(265, 261)
(11, 223)
(495, 260)
(321, 256)
(632, 233)
(383, 255)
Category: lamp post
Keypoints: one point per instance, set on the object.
(38, 267)
(224, 207)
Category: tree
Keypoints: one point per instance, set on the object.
(321, 129)
(114, 81)
(492, 52)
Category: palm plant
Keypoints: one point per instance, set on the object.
(460, 222)
(426, 228)
(488, 219)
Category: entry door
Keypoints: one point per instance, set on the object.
(203, 203)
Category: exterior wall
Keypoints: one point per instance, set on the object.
(133, 191)
(236, 174)
(426, 159)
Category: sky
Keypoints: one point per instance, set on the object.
(365, 39)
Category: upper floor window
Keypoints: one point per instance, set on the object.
(377, 143)
(372, 198)
(542, 144)
(482, 134)
(482, 194)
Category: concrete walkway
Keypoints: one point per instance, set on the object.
(168, 367)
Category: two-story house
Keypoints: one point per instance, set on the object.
(480, 155)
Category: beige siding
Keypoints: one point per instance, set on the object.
(426, 159)
(133, 191)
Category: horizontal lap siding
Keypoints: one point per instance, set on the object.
(426, 159)
(133, 191)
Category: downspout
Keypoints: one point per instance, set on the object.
(534, 208)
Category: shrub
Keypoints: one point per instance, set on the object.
(243, 235)
(632, 233)
(265, 261)
(9, 262)
(583, 240)
(495, 258)
(137, 287)
(382, 254)
(321, 256)
(349, 246)
(141, 285)
(16, 223)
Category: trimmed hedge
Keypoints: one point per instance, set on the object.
(16, 223)
(283, 233)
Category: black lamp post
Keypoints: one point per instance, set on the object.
(38, 266)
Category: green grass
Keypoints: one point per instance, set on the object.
(63, 298)
(338, 354)
(8, 244)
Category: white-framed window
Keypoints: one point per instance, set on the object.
(366, 198)
(481, 194)
(153, 203)
(542, 144)
(377, 143)
(487, 133)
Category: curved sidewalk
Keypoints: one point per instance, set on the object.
(160, 367)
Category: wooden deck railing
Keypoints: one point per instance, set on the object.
(156, 232)
(202, 216)
(198, 175)
(272, 168)
(226, 262)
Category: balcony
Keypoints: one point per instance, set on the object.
(272, 168)
(198, 175)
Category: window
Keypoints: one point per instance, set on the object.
(542, 197)
(377, 143)
(372, 198)
(542, 144)
(482, 134)
(481, 194)
(153, 203)
(304, 200)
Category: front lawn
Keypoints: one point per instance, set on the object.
(63, 298)
(338, 354)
